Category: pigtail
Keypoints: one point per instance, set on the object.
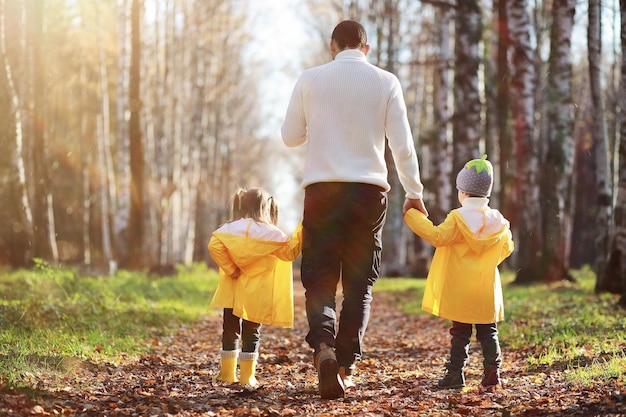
(237, 208)
(273, 208)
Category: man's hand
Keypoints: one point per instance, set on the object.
(415, 203)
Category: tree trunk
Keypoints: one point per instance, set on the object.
(386, 23)
(497, 125)
(156, 66)
(20, 251)
(525, 212)
(136, 254)
(107, 173)
(441, 159)
(600, 145)
(467, 105)
(559, 161)
(436, 169)
(85, 165)
(393, 239)
(615, 272)
(121, 219)
(44, 241)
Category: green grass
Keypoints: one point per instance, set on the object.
(52, 320)
(564, 327)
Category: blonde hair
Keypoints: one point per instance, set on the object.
(256, 204)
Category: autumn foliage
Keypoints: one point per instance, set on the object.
(404, 357)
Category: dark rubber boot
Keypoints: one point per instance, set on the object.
(452, 380)
(491, 377)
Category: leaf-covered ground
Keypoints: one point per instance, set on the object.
(404, 357)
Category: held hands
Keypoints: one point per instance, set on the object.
(415, 203)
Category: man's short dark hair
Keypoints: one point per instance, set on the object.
(349, 34)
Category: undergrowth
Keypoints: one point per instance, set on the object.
(52, 319)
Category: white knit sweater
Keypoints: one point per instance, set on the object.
(344, 110)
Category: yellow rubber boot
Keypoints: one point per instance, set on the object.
(346, 376)
(228, 366)
(247, 365)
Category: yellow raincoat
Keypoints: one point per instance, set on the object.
(263, 293)
(463, 283)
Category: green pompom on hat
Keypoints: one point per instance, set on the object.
(476, 177)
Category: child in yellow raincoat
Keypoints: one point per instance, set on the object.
(255, 279)
(463, 283)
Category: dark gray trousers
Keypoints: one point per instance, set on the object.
(342, 240)
(486, 334)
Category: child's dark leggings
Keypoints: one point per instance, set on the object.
(486, 334)
(234, 327)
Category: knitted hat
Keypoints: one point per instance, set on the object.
(476, 177)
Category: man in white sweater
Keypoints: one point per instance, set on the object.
(344, 111)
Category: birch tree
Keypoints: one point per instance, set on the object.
(614, 276)
(467, 123)
(122, 205)
(604, 201)
(497, 107)
(20, 221)
(385, 15)
(441, 156)
(525, 166)
(108, 183)
(429, 99)
(135, 256)
(559, 158)
(44, 240)
(620, 212)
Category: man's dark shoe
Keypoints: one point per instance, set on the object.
(330, 383)
(452, 380)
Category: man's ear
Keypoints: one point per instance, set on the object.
(334, 50)
(366, 49)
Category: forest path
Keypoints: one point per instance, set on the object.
(403, 358)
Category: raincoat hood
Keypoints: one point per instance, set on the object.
(248, 241)
(480, 226)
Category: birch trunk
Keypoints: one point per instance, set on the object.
(137, 209)
(23, 228)
(431, 74)
(604, 199)
(193, 131)
(107, 174)
(170, 154)
(393, 239)
(615, 273)
(44, 241)
(85, 162)
(620, 211)
(559, 161)
(524, 167)
(122, 152)
(104, 198)
(209, 211)
(496, 86)
(441, 157)
(467, 106)
(155, 67)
